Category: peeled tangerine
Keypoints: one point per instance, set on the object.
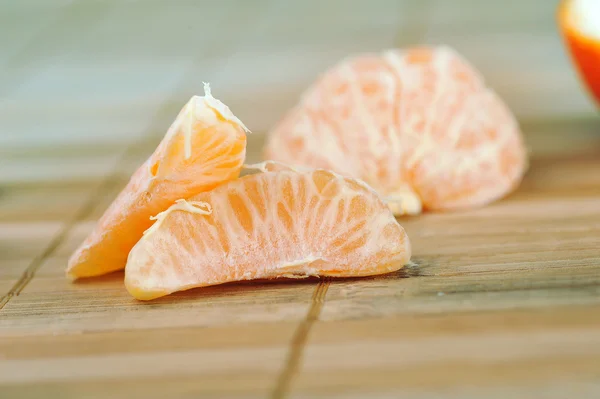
(579, 21)
(418, 125)
(204, 147)
(278, 223)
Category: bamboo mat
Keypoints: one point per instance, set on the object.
(504, 301)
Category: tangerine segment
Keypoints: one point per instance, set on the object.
(418, 125)
(579, 21)
(203, 148)
(282, 223)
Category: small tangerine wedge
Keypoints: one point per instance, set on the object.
(418, 125)
(204, 147)
(579, 21)
(281, 222)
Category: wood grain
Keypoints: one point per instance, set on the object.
(500, 302)
(104, 305)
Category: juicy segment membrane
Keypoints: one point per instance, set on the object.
(273, 224)
(418, 125)
(204, 147)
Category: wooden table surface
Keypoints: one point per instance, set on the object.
(502, 302)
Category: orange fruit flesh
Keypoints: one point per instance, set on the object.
(203, 148)
(418, 125)
(282, 223)
(584, 48)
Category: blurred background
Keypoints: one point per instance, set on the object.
(83, 81)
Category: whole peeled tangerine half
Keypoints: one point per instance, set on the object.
(420, 126)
